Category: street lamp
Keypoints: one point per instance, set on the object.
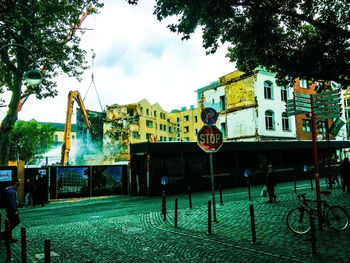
(33, 77)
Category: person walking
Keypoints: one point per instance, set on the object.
(270, 182)
(345, 174)
(30, 192)
(11, 210)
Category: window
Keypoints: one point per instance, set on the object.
(135, 135)
(303, 84)
(285, 122)
(347, 114)
(284, 94)
(177, 119)
(195, 118)
(269, 120)
(223, 129)
(306, 125)
(323, 128)
(147, 112)
(222, 103)
(348, 102)
(154, 114)
(148, 136)
(196, 131)
(186, 129)
(149, 124)
(186, 118)
(268, 92)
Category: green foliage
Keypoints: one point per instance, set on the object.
(42, 27)
(29, 138)
(309, 39)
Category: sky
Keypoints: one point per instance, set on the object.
(137, 57)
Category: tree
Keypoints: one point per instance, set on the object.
(41, 27)
(309, 39)
(30, 138)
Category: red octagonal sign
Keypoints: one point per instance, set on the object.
(210, 138)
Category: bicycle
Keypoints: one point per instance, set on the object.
(335, 217)
(331, 180)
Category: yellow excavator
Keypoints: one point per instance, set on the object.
(73, 95)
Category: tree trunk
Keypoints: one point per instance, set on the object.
(7, 125)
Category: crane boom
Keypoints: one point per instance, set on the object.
(72, 95)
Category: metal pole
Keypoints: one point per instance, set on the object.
(23, 245)
(313, 234)
(47, 248)
(252, 223)
(212, 184)
(7, 240)
(209, 217)
(190, 197)
(314, 150)
(176, 207)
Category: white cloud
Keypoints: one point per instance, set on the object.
(136, 57)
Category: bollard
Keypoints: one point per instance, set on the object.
(23, 245)
(313, 234)
(209, 217)
(175, 217)
(252, 223)
(312, 187)
(7, 240)
(47, 248)
(164, 205)
(190, 197)
(295, 185)
(220, 190)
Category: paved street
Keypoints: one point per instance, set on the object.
(132, 229)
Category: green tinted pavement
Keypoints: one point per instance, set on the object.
(132, 229)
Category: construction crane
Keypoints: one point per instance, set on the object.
(66, 143)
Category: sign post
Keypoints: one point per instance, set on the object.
(210, 139)
(322, 106)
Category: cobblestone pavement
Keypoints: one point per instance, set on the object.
(132, 229)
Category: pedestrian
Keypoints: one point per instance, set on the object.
(345, 174)
(11, 210)
(270, 182)
(30, 192)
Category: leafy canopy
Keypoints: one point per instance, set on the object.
(309, 39)
(30, 138)
(43, 32)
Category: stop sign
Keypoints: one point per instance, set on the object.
(210, 138)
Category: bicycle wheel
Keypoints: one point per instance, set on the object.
(298, 221)
(337, 218)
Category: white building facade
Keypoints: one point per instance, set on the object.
(251, 107)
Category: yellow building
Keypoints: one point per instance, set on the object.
(133, 123)
(142, 122)
(347, 112)
(188, 122)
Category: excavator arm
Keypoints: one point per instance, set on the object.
(66, 143)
